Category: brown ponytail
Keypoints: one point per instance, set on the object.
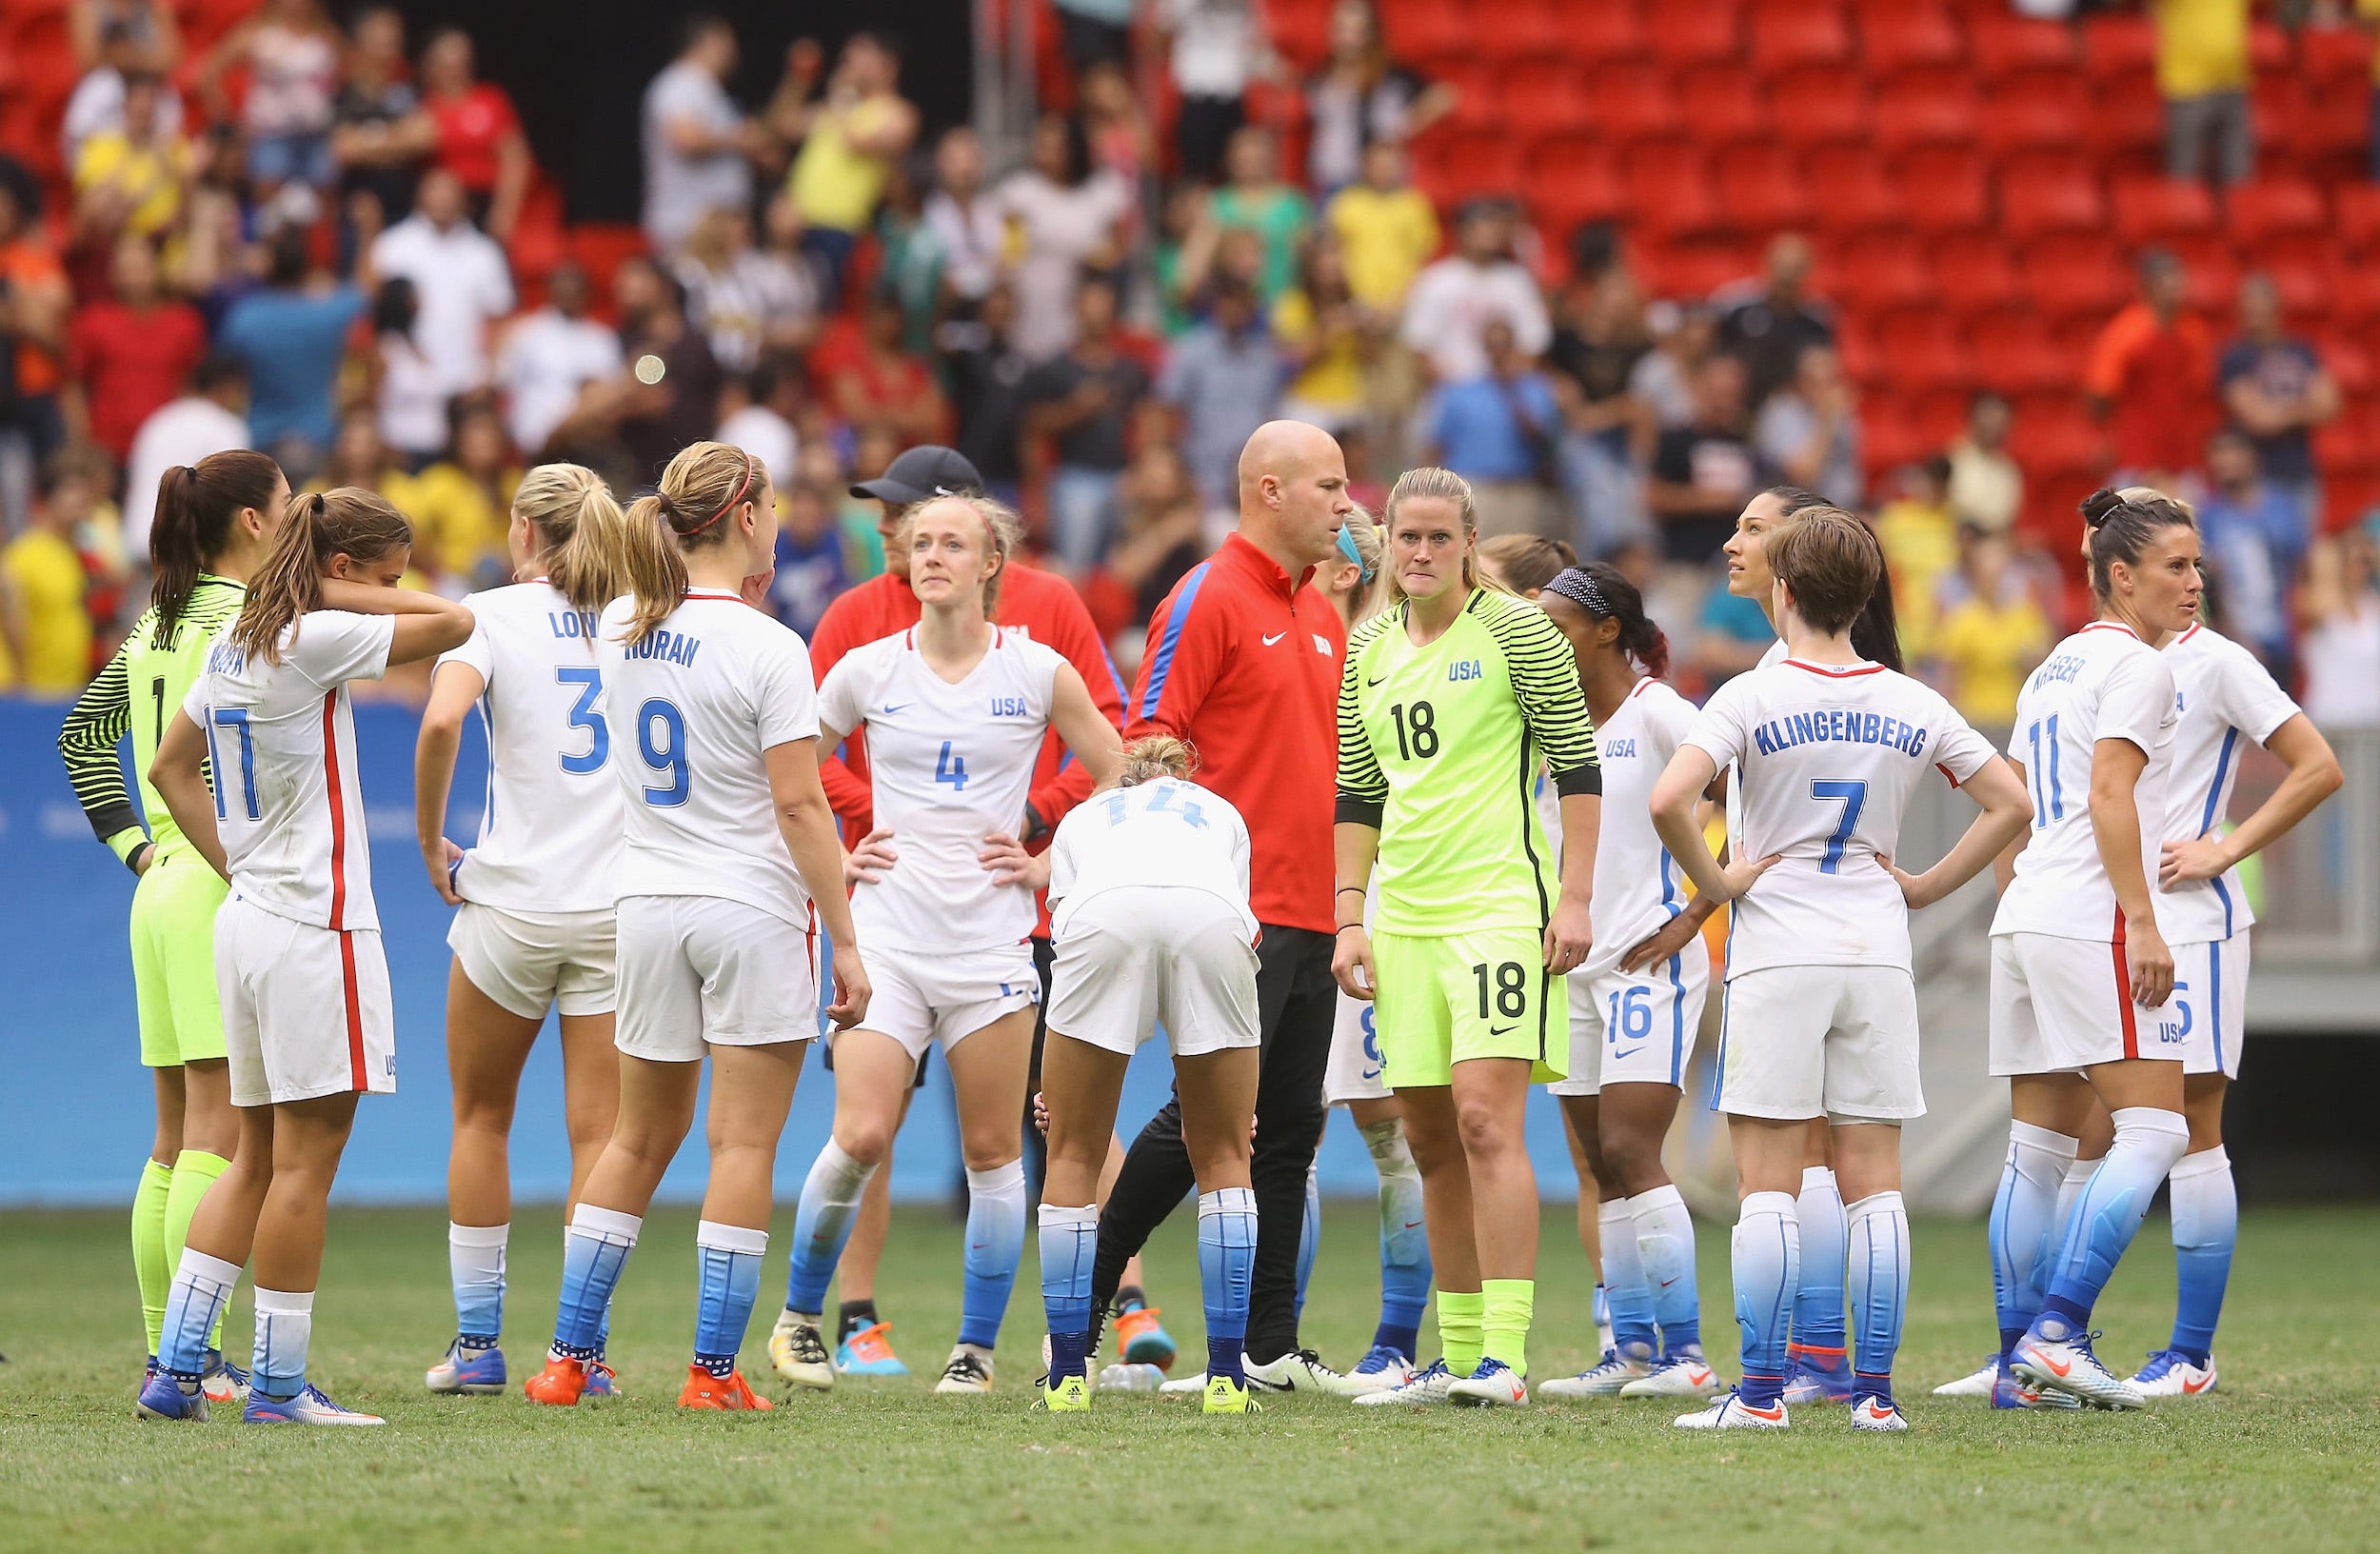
(195, 506)
(348, 521)
(699, 489)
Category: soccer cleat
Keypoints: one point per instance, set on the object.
(601, 1382)
(1069, 1395)
(1678, 1377)
(1381, 1368)
(1123, 1378)
(1604, 1380)
(467, 1370)
(1144, 1339)
(869, 1352)
(1733, 1413)
(1191, 1385)
(2008, 1390)
(1976, 1383)
(969, 1370)
(1225, 1396)
(561, 1383)
(2169, 1375)
(225, 1384)
(1423, 1388)
(1302, 1370)
(312, 1406)
(1495, 1385)
(1871, 1413)
(2068, 1365)
(729, 1393)
(797, 1350)
(166, 1396)
(1812, 1381)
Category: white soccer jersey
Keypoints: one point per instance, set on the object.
(694, 704)
(2101, 683)
(1164, 833)
(2224, 694)
(281, 743)
(950, 764)
(1827, 756)
(1638, 885)
(550, 837)
(1732, 805)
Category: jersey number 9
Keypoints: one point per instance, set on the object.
(669, 758)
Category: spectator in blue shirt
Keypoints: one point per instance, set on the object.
(1499, 432)
(292, 334)
(813, 562)
(1224, 379)
(2277, 391)
(2255, 536)
(1734, 634)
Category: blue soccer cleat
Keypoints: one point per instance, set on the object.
(164, 1396)
(601, 1382)
(462, 1370)
(1819, 1376)
(869, 1352)
(1381, 1368)
(309, 1408)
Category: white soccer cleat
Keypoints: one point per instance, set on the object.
(1381, 1368)
(1975, 1385)
(969, 1370)
(1733, 1413)
(1683, 1377)
(1302, 1370)
(2167, 1375)
(2068, 1365)
(1425, 1388)
(309, 1408)
(1604, 1380)
(1495, 1385)
(1871, 1414)
(797, 1350)
(1192, 1385)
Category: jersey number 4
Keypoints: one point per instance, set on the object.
(952, 770)
(582, 716)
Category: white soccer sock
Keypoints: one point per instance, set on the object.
(475, 1258)
(201, 1286)
(1878, 1283)
(2027, 1219)
(284, 1328)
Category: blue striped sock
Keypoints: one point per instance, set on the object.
(1624, 1289)
(1879, 1285)
(2206, 1228)
(729, 1257)
(1664, 1233)
(201, 1286)
(995, 1246)
(1069, 1243)
(822, 1223)
(1226, 1258)
(1767, 1253)
(593, 1257)
(285, 1330)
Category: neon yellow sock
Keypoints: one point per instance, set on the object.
(194, 1171)
(1504, 1324)
(1459, 1314)
(151, 1265)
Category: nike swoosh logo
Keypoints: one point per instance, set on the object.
(1273, 638)
(891, 709)
(2048, 1363)
(1412, 1224)
(1501, 1030)
(1374, 680)
(1666, 1283)
(2194, 1388)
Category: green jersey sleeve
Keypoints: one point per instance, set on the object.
(99, 720)
(1546, 681)
(1362, 786)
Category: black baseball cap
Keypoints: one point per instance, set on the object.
(928, 470)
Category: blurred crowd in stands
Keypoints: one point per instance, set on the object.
(303, 248)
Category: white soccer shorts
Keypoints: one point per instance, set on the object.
(531, 961)
(1139, 956)
(2059, 1006)
(925, 1000)
(306, 1011)
(2210, 1002)
(1356, 1070)
(1838, 1042)
(702, 969)
(1635, 1028)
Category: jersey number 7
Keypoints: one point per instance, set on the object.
(1853, 796)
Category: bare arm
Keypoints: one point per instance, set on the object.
(1569, 936)
(512, 185)
(1354, 847)
(2007, 810)
(179, 774)
(451, 693)
(808, 828)
(1681, 783)
(2313, 776)
(2116, 768)
(427, 625)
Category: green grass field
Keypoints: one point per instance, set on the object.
(2281, 1459)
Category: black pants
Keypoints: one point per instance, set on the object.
(1295, 1004)
(1037, 1146)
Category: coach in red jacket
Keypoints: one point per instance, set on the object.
(1243, 661)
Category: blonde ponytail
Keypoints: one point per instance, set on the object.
(702, 487)
(586, 539)
(348, 521)
(1156, 756)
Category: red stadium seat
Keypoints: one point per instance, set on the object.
(1876, 272)
(1480, 101)
(2268, 50)
(1518, 29)
(1944, 190)
(1760, 189)
(1851, 191)
(2355, 212)
(2304, 290)
(2119, 49)
(1607, 30)
(1820, 108)
(2275, 212)
(2125, 117)
(2348, 361)
(1670, 188)
(2003, 46)
(1545, 95)
(1922, 349)
(2334, 56)
(1300, 30)
(1574, 179)
(2355, 298)
(1696, 31)
(1974, 276)
(1428, 28)
(2075, 275)
(2162, 209)
(1694, 269)
(2034, 113)
(1630, 102)
(2050, 198)
(1910, 113)
(1790, 33)
(1450, 165)
(2022, 356)
(1896, 35)
(1723, 107)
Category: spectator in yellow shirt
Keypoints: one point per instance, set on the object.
(1993, 632)
(850, 136)
(130, 180)
(49, 636)
(2203, 74)
(1386, 226)
(1920, 545)
(461, 505)
(1323, 332)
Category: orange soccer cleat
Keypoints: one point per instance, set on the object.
(1142, 1338)
(705, 1390)
(561, 1383)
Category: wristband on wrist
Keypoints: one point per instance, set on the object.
(1344, 927)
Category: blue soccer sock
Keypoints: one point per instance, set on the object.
(285, 1330)
(1069, 1244)
(995, 1246)
(475, 1258)
(1664, 1233)
(822, 1223)
(730, 1258)
(1767, 1255)
(202, 1285)
(1226, 1258)
(592, 1258)
(2205, 1226)
(1818, 1305)
(1880, 1290)
(2023, 1224)
(2148, 1144)
(1404, 1240)
(1625, 1287)
(1309, 1235)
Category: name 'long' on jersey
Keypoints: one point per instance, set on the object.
(2101, 683)
(1638, 885)
(551, 838)
(695, 705)
(949, 765)
(2224, 693)
(1827, 757)
(1166, 833)
(281, 743)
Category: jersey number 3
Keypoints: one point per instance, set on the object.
(584, 715)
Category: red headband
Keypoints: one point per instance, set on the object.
(722, 512)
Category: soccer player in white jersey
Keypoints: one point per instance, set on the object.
(2080, 969)
(1821, 1017)
(533, 898)
(303, 984)
(955, 710)
(731, 863)
(1149, 890)
(1631, 1032)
